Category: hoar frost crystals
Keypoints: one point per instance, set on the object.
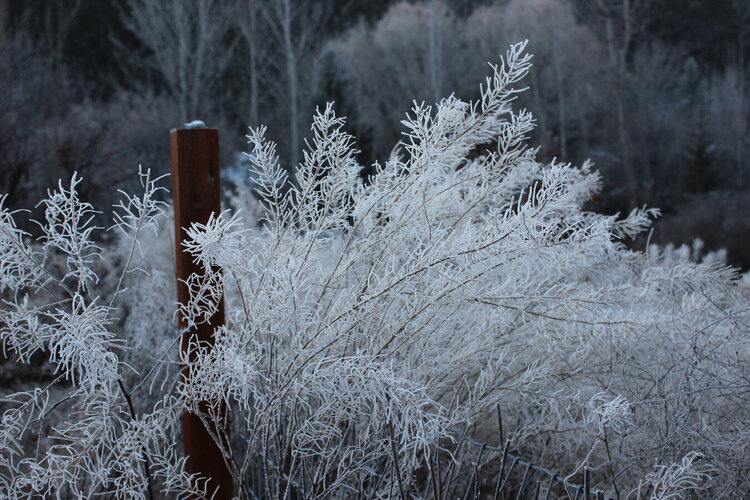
(368, 322)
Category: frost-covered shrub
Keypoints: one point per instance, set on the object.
(368, 321)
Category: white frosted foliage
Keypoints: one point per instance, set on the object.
(370, 322)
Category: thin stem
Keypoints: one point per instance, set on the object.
(146, 465)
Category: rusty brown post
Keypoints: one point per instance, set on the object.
(195, 187)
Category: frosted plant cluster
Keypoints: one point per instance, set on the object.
(369, 322)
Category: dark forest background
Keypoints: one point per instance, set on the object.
(653, 91)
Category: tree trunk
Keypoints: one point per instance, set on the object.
(741, 118)
(291, 69)
(538, 103)
(435, 53)
(3, 26)
(618, 72)
(254, 120)
(560, 99)
(183, 34)
(581, 121)
(200, 53)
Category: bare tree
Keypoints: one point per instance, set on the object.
(248, 25)
(3, 22)
(659, 101)
(413, 52)
(187, 45)
(729, 116)
(566, 55)
(550, 26)
(742, 10)
(620, 20)
(435, 47)
(292, 26)
(58, 18)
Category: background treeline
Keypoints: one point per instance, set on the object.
(654, 91)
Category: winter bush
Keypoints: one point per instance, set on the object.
(369, 321)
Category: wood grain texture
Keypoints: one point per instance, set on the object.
(196, 191)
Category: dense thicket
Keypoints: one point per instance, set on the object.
(653, 91)
(369, 323)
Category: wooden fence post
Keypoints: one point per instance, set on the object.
(195, 187)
